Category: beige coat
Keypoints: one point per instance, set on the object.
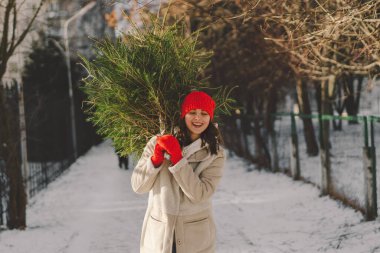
(179, 200)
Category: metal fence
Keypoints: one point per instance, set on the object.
(41, 174)
(353, 176)
(48, 135)
(3, 192)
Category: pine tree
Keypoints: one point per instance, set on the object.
(136, 84)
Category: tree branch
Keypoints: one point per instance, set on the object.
(27, 29)
(4, 38)
(14, 27)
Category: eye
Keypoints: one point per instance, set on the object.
(204, 113)
(192, 112)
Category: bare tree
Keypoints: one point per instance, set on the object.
(316, 41)
(14, 30)
(241, 57)
(331, 38)
(328, 40)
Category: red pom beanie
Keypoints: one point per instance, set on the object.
(198, 100)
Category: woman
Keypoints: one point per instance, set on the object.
(179, 215)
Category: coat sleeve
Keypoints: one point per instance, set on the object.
(144, 174)
(202, 187)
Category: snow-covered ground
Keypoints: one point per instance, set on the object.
(92, 209)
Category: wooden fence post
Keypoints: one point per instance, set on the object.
(369, 184)
(324, 128)
(294, 158)
(369, 162)
(325, 157)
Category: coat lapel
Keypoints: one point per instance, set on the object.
(194, 152)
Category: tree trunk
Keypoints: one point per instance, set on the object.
(325, 139)
(318, 96)
(262, 153)
(338, 104)
(304, 105)
(245, 130)
(23, 146)
(352, 100)
(10, 151)
(269, 125)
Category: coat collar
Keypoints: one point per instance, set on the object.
(194, 152)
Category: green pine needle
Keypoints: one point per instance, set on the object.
(136, 84)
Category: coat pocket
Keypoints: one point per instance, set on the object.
(154, 234)
(197, 235)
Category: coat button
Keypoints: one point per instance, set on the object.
(179, 242)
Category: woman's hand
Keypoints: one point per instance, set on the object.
(171, 145)
(158, 155)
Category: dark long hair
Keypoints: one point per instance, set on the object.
(211, 136)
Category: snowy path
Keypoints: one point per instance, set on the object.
(92, 209)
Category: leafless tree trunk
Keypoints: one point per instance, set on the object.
(23, 144)
(269, 126)
(304, 105)
(352, 95)
(13, 32)
(262, 156)
(338, 103)
(10, 151)
(325, 140)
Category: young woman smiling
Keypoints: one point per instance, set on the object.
(179, 216)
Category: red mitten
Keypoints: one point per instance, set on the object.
(171, 145)
(158, 155)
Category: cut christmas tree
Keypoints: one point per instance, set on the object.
(135, 85)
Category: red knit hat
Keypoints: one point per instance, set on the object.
(198, 100)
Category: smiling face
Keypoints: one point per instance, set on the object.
(197, 121)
